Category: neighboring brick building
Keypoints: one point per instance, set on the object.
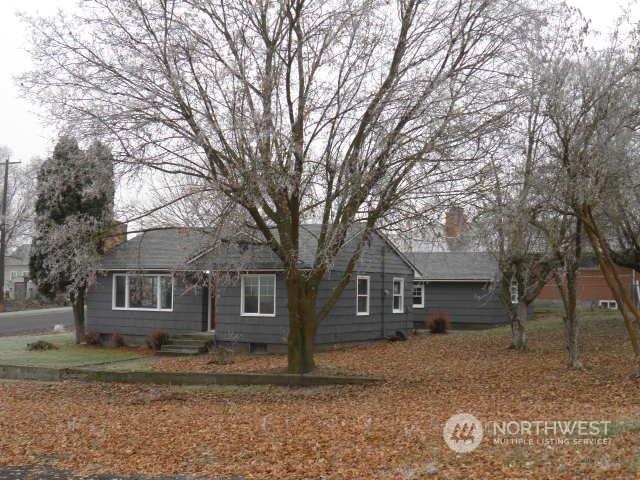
(592, 286)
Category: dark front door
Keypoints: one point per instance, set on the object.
(212, 306)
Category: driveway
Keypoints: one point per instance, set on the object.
(35, 320)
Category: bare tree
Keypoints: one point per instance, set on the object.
(17, 208)
(332, 112)
(592, 99)
(514, 206)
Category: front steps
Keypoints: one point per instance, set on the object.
(187, 343)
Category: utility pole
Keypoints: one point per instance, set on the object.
(3, 226)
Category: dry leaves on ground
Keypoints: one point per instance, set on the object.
(388, 431)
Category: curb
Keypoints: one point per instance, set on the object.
(15, 372)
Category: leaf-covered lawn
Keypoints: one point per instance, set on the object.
(13, 351)
(388, 431)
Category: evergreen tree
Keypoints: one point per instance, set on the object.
(74, 210)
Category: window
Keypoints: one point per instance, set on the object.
(418, 295)
(258, 295)
(142, 292)
(398, 295)
(513, 291)
(362, 295)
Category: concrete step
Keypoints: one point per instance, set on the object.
(202, 336)
(178, 350)
(188, 342)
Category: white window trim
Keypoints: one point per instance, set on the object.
(421, 286)
(401, 294)
(368, 279)
(126, 292)
(245, 314)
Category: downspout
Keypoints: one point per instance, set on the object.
(382, 296)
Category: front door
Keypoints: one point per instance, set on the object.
(212, 305)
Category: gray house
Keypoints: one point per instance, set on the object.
(176, 281)
(459, 284)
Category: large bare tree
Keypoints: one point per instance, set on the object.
(325, 111)
(591, 99)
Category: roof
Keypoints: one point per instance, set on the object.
(455, 266)
(196, 249)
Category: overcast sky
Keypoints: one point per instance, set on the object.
(27, 136)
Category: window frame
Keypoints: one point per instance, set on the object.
(400, 309)
(242, 306)
(126, 292)
(421, 286)
(367, 296)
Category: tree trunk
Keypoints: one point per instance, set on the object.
(571, 320)
(303, 324)
(77, 302)
(628, 309)
(568, 288)
(518, 331)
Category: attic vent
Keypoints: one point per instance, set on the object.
(608, 304)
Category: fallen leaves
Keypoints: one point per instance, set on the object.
(388, 431)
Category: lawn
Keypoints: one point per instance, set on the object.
(13, 351)
(387, 431)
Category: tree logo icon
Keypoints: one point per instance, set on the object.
(463, 432)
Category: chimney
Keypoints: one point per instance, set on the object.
(455, 222)
(116, 234)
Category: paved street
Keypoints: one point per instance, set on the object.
(34, 472)
(35, 320)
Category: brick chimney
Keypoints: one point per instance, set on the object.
(116, 234)
(455, 222)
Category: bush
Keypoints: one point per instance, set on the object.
(41, 345)
(117, 339)
(439, 322)
(156, 339)
(92, 337)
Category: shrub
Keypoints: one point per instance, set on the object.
(156, 339)
(92, 337)
(439, 322)
(41, 345)
(117, 339)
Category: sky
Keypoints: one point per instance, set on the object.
(26, 133)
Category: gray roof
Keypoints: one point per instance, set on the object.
(195, 249)
(455, 266)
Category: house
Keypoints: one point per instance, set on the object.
(16, 273)
(592, 288)
(459, 284)
(174, 280)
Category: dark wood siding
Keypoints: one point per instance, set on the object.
(232, 326)
(187, 314)
(342, 324)
(378, 261)
(469, 304)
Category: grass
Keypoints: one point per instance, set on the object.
(13, 351)
(387, 431)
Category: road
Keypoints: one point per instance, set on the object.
(35, 320)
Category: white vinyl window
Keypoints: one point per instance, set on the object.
(398, 295)
(513, 290)
(142, 292)
(258, 295)
(418, 295)
(362, 295)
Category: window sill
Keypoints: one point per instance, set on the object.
(143, 309)
(257, 314)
